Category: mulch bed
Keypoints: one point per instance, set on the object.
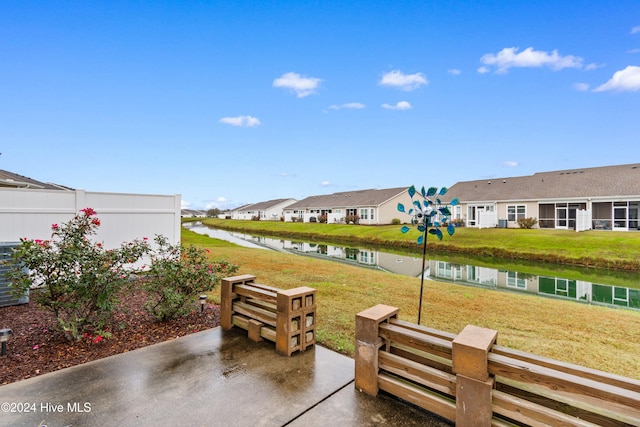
(36, 347)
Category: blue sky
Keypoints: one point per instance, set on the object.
(228, 103)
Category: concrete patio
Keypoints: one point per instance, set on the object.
(210, 378)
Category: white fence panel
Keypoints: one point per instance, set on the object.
(487, 220)
(583, 220)
(123, 217)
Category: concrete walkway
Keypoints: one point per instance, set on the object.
(210, 378)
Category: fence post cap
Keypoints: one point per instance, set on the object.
(470, 350)
(379, 312)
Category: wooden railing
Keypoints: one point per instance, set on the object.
(471, 380)
(286, 317)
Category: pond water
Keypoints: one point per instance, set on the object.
(585, 286)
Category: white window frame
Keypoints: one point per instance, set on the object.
(514, 214)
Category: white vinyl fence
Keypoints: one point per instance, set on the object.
(123, 217)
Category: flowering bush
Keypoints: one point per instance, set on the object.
(75, 277)
(177, 275)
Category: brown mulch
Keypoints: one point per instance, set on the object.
(36, 347)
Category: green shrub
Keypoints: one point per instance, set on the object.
(396, 221)
(352, 219)
(527, 222)
(177, 275)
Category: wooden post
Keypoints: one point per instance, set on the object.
(473, 383)
(295, 320)
(367, 344)
(227, 295)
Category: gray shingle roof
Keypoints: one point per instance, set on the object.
(260, 206)
(348, 199)
(606, 181)
(10, 179)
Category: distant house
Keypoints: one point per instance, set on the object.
(13, 180)
(370, 207)
(192, 213)
(265, 211)
(603, 198)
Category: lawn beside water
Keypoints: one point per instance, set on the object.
(596, 337)
(602, 249)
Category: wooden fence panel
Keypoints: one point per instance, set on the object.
(454, 376)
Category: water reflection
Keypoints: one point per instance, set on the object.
(577, 290)
(463, 274)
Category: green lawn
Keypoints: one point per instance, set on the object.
(596, 337)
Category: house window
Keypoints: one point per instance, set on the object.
(371, 213)
(444, 270)
(515, 212)
(513, 281)
(364, 213)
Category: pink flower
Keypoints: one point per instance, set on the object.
(97, 339)
(54, 226)
(145, 239)
(35, 347)
(95, 221)
(88, 211)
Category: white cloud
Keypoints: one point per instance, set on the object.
(302, 86)
(402, 105)
(325, 183)
(511, 163)
(454, 71)
(593, 66)
(184, 204)
(245, 121)
(402, 81)
(637, 50)
(354, 105)
(285, 174)
(635, 30)
(220, 203)
(508, 57)
(483, 70)
(623, 81)
(581, 87)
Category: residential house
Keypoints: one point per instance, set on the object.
(604, 198)
(192, 213)
(13, 180)
(370, 207)
(265, 211)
